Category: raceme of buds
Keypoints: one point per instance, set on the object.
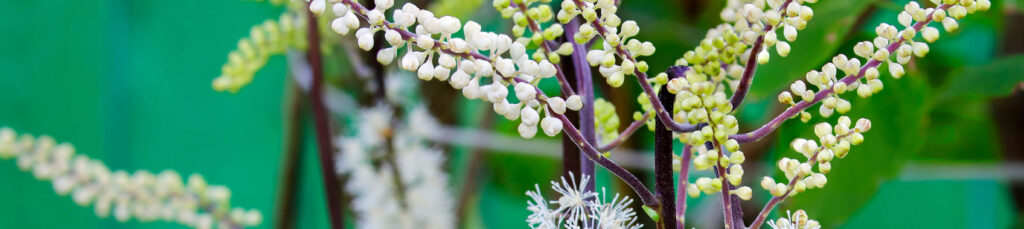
(141, 195)
(266, 39)
(432, 52)
(833, 141)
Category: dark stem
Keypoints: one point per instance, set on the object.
(571, 157)
(684, 179)
(663, 183)
(751, 65)
(585, 88)
(332, 190)
(290, 154)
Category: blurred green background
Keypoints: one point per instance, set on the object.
(128, 82)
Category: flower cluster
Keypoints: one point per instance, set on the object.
(140, 194)
(269, 38)
(433, 53)
(798, 220)
(893, 46)
(835, 142)
(409, 190)
(615, 34)
(578, 208)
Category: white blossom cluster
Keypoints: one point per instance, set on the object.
(601, 20)
(424, 201)
(726, 49)
(141, 195)
(893, 46)
(798, 220)
(433, 53)
(834, 142)
(266, 39)
(578, 208)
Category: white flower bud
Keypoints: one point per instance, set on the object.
(930, 34)
(527, 131)
(365, 41)
(782, 48)
(950, 24)
(375, 17)
(447, 61)
(339, 9)
(789, 32)
(896, 70)
(525, 92)
(743, 192)
(351, 21)
(551, 126)
(574, 102)
(425, 42)
(920, 49)
(629, 29)
(798, 87)
(863, 125)
(426, 71)
(338, 25)
(556, 104)
(864, 91)
(529, 116)
(819, 180)
(317, 6)
(441, 73)
(472, 89)
(459, 79)
(547, 69)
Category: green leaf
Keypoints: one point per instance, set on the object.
(814, 45)
(898, 132)
(997, 78)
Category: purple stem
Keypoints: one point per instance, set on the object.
(751, 67)
(641, 77)
(585, 87)
(684, 178)
(548, 47)
(332, 189)
(800, 106)
(663, 184)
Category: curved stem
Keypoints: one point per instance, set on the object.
(633, 127)
(751, 67)
(641, 77)
(548, 47)
(821, 95)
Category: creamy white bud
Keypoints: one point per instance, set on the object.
(789, 32)
(426, 71)
(551, 126)
(556, 104)
(930, 34)
(529, 116)
(441, 73)
(525, 91)
(527, 131)
(317, 6)
(339, 9)
(574, 102)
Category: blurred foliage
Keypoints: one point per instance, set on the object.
(129, 82)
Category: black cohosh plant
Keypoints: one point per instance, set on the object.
(691, 103)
